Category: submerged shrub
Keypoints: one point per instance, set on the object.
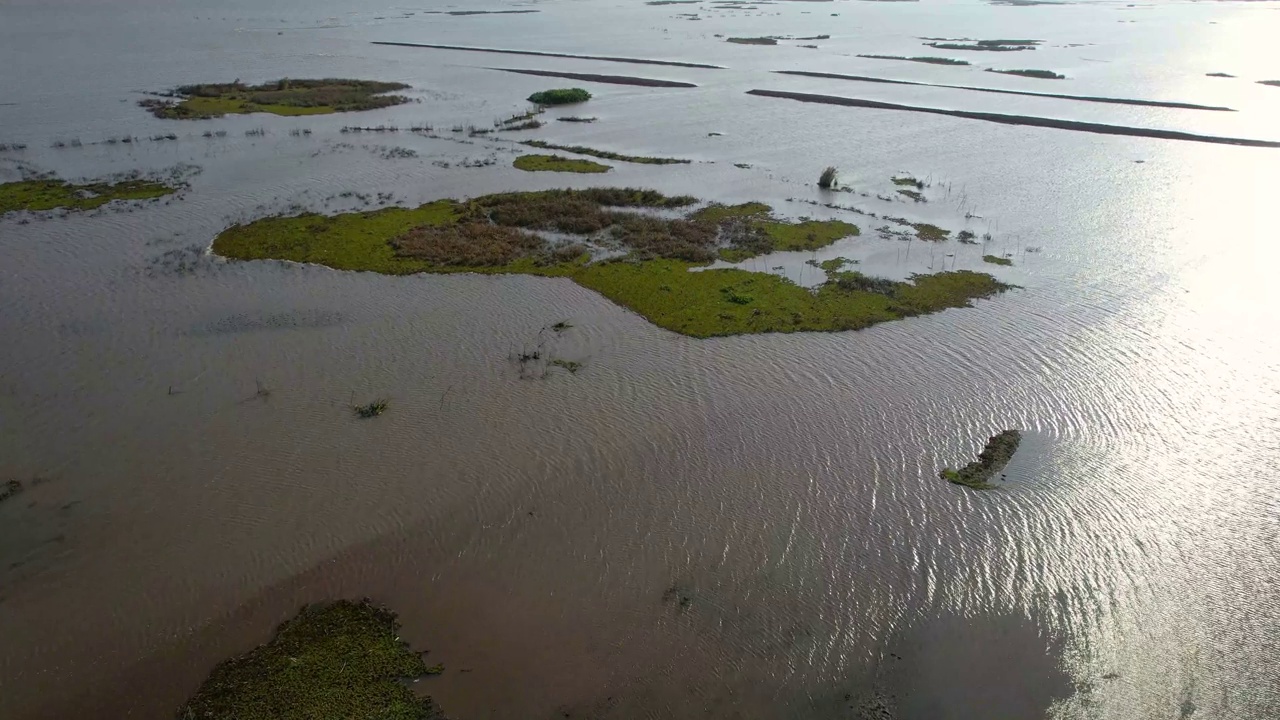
(827, 179)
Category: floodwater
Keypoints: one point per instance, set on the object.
(744, 527)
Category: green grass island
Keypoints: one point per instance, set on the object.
(279, 97)
(334, 660)
(557, 163)
(994, 456)
(52, 194)
(655, 256)
(560, 96)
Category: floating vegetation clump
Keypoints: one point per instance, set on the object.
(997, 260)
(655, 260)
(281, 97)
(560, 96)
(370, 410)
(753, 40)
(997, 453)
(1041, 74)
(51, 194)
(337, 660)
(605, 154)
(557, 163)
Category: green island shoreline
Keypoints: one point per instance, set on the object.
(994, 456)
(655, 264)
(52, 194)
(280, 97)
(335, 660)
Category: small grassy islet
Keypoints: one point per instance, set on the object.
(659, 271)
(997, 453)
(51, 194)
(337, 660)
(996, 260)
(560, 96)
(557, 163)
(280, 97)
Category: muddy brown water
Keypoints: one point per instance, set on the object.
(742, 527)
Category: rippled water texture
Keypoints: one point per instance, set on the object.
(741, 527)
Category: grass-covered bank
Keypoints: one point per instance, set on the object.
(280, 97)
(606, 154)
(52, 194)
(557, 163)
(997, 453)
(656, 256)
(339, 660)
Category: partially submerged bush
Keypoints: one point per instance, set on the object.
(560, 96)
(827, 179)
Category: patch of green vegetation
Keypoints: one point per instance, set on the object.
(1219, 75)
(605, 154)
(339, 660)
(1273, 83)
(371, 410)
(560, 96)
(656, 277)
(914, 195)
(836, 264)
(753, 40)
(932, 233)
(930, 60)
(38, 195)
(809, 234)
(997, 260)
(698, 303)
(717, 213)
(908, 181)
(1042, 74)
(557, 163)
(281, 97)
(997, 453)
(966, 237)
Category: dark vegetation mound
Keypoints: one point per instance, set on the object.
(560, 96)
(281, 97)
(340, 660)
